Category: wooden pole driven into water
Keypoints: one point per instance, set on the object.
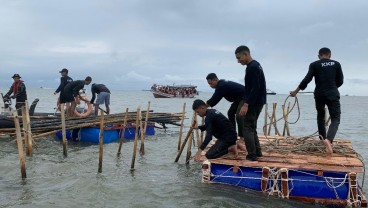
(181, 126)
(273, 120)
(29, 133)
(143, 134)
(286, 129)
(20, 146)
(102, 125)
(135, 139)
(189, 150)
(265, 132)
(199, 142)
(123, 132)
(63, 131)
(184, 142)
(202, 132)
(25, 135)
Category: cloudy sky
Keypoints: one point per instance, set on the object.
(132, 44)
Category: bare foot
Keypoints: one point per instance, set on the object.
(241, 146)
(328, 145)
(233, 149)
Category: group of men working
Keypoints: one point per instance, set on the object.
(248, 100)
(247, 103)
(69, 90)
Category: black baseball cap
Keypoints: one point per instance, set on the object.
(16, 75)
(88, 78)
(197, 103)
(64, 70)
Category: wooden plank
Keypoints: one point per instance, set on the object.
(296, 166)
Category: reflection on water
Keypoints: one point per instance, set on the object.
(55, 181)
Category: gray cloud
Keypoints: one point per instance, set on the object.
(131, 44)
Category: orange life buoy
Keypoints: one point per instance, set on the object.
(89, 110)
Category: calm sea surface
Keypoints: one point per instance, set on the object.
(55, 181)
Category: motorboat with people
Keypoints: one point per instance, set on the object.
(174, 91)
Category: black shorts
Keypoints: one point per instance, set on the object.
(68, 97)
(221, 147)
(62, 98)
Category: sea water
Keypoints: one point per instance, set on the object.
(57, 181)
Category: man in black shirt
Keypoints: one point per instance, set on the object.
(216, 125)
(232, 92)
(328, 77)
(253, 100)
(64, 80)
(71, 90)
(103, 96)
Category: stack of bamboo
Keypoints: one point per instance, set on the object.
(44, 126)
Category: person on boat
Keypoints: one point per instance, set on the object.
(18, 89)
(71, 91)
(232, 92)
(217, 125)
(64, 80)
(253, 100)
(328, 77)
(103, 96)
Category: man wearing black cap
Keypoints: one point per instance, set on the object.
(71, 90)
(216, 125)
(64, 80)
(103, 96)
(18, 89)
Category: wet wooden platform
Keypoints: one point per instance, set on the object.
(286, 152)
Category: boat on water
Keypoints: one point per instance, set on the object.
(174, 91)
(309, 177)
(270, 92)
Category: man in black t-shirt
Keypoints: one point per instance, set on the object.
(253, 100)
(64, 80)
(216, 125)
(103, 96)
(328, 77)
(232, 92)
(71, 91)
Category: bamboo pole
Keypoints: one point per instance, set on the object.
(265, 120)
(199, 142)
(189, 150)
(184, 142)
(20, 146)
(63, 129)
(29, 133)
(123, 132)
(202, 132)
(181, 126)
(101, 141)
(143, 135)
(24, 124)
(135, 139)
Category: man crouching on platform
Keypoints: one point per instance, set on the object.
(217, 125)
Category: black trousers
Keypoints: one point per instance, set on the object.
(18, 106)
(233, 115)
(221, 147)
(250, 130)
(334, 108)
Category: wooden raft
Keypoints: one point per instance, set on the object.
(295, 160)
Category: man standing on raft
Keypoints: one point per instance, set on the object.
(328, 77)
